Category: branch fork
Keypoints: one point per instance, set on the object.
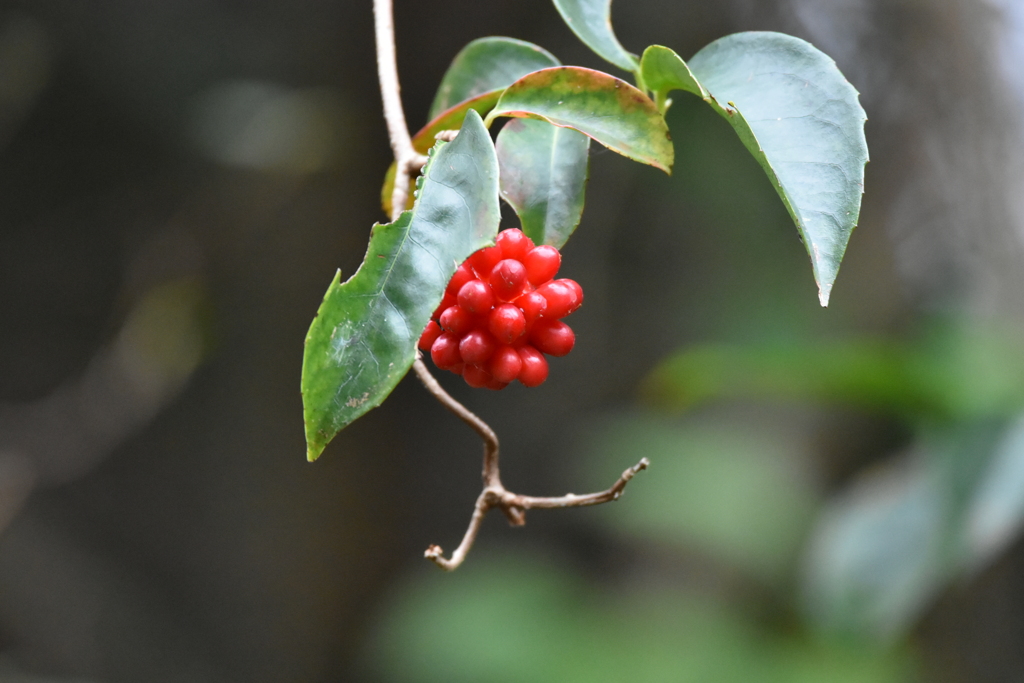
(515, 506)
(409, 162)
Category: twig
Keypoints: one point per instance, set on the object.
(387, 74)
(514, 506)
(407, 159)
(571, 500)
(494, 494)
(490, 474)
(436, 555)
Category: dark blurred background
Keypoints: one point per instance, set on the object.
(835, 494)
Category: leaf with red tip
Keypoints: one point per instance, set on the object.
(485, 65)
(600, 106)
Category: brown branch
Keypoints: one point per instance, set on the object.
(514, 506)
(436, 555)
(387, 74)
(571, 500)
(407, 159)
(409, 162)
(490, 474)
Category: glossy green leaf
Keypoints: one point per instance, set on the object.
(363, 340)
(600, 106)
(543, 177)
(488, 64)
(450, 119)
(475, 80)
(591, 21)
(664, 71)
(798, 116)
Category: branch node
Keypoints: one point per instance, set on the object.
(416, 163)
(515, 514)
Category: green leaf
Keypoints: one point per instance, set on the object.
(663, 71)
(363, 340)
(591, 21)
(488, 64)
(798, 116)
(544, 172)
(600, 106)
(450, 119)
(475, 80)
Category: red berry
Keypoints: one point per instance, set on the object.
(476, 376)
(508, 279)
(561, 299)
(576, 288)
(457, 320)
(430, 334)
(532, 304)
(489, 329)
(483, 261)
(477, 346)
(446, 301)
(481, 321)
(553, 337)
(514, 243)
(476, 296)
(535, 366)
(445, 351)
(542, 263)
(463, 274)
(507, 323)
(505, 364)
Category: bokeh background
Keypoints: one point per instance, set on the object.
(835, 494)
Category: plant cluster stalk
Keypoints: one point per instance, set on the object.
(494, 494)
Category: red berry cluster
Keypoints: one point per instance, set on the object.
(501, 313)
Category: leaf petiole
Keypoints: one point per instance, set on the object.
(641, 85)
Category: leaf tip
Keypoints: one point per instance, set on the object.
(313, 451)
(824, 292)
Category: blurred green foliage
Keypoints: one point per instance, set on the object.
(882, 549)
(734, 493)
(807, 586)
(514, 618)
(949, 373)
